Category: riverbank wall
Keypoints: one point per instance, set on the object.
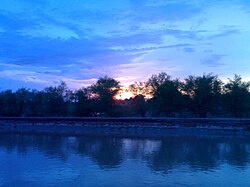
(124, 126)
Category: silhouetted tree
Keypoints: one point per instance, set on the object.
(137, 105)
(139, 88)
(201, 95)
(237, 96)
(156, 81)
(166, 93)
(203, 91)
(104, 91)
(85, 103)
(23, 101)
(53, 100)
(37, 106)
(8, 103)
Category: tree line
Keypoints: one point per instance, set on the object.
(160, 96)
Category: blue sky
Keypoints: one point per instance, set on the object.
(43, 42)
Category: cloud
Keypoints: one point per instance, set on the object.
(127, 39)
(227, 31)
(51, 32)
(44, 79)
(8, 65)
(153, 47)
(213, 60)
(158, 11)
(140, 71)
(189, 49)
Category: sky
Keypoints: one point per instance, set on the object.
(44, 42)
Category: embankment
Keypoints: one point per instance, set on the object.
(124, 126)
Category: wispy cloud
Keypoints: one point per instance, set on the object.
(213, 60)
(79, 41)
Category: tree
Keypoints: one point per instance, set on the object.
(23, 101)
(169, 97)
(166, 93)
(139, 88)
(8, 103)
(237, 96)
(203, 92)
(155, 81)
(37, 107)
(84, 103)
(105, 90)
(54, 100)
(137, 105)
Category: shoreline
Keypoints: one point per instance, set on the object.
(125, 126)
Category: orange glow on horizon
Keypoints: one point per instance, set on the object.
(124, 95)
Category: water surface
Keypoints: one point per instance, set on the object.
(175, 160)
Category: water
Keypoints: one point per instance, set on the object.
(175, 160)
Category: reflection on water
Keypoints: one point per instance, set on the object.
(57, 160)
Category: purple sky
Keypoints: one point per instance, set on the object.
(44, 42)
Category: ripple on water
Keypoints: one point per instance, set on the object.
(193, 161)
(52, 175)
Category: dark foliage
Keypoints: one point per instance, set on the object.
(197, 96)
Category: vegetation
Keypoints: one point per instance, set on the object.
(237, 96)
(203, 92)
(196, 96)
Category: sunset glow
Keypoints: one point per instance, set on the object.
(79, 41)
(123, 92)
(124, 95)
